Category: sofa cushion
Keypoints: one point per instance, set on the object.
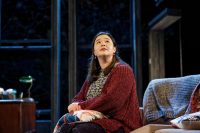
(194, 104)
(191, 125)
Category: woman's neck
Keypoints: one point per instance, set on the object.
(105, 61)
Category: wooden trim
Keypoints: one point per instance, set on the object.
(55, 62)
(72, 59)
(156, 55)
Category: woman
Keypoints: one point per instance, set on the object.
(109, 89)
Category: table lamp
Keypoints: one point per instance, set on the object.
(27, 80)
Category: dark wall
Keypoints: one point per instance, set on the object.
(179, 37)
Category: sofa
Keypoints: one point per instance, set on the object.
(165, 100)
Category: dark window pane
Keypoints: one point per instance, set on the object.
(25, 19)
(17, 63)
(103, 15)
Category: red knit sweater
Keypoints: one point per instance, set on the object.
(118, 100)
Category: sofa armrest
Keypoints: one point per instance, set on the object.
(151, 128)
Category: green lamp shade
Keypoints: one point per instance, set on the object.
(26, 79)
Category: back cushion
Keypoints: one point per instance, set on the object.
(194, 105)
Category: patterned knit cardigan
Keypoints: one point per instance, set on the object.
(118, 100)
(168, 98)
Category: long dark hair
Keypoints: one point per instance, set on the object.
(94, 66)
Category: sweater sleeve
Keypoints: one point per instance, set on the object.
(115, 93)
(80, 97)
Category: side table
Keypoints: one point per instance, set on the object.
(17, 116)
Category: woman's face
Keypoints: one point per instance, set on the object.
(103, 46)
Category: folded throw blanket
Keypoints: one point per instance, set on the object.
(78, 117)
(168, 97)
(88, 115)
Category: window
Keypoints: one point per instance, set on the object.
(25, 47)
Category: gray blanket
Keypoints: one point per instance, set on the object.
(168, 97)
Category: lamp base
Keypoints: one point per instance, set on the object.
(28, 99)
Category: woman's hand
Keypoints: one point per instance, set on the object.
(74, 107)
(89, 115)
